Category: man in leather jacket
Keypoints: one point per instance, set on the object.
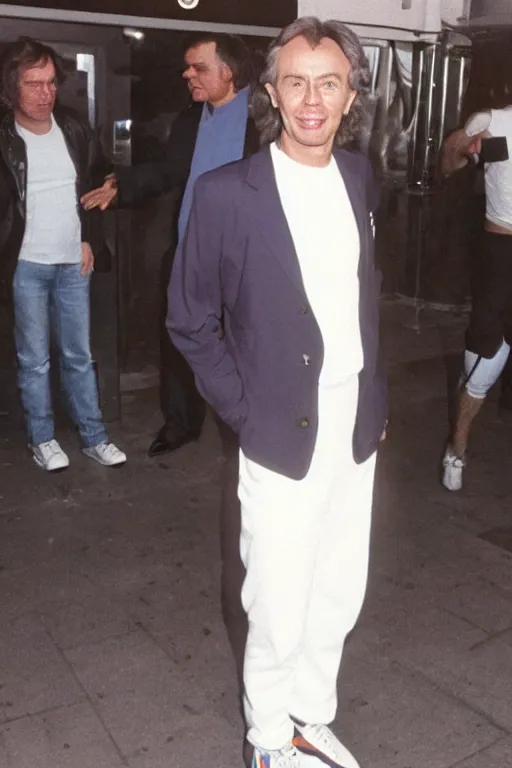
(79, 140)
(47, 161)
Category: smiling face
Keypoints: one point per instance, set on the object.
(208, 78)
(312, 93)
(37, 88)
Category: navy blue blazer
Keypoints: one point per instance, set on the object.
(239, 313)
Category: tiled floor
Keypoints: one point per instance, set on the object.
(112, 649)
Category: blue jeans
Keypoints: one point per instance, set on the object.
(53, 299)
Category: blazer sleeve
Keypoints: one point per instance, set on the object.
(195, 305)
(98, 165)
(138, 183)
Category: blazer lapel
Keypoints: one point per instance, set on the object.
(355, 190)
(267, 208)
(356, 193)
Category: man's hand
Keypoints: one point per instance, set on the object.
(102, 197)
(458, 147)
(87, 260)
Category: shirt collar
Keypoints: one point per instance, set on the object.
(210, 111)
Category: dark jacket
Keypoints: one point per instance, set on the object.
(90, 169)
(139, 183)
(238, 270)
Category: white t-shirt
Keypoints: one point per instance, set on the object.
(326, 239)
(52, 226)
(498, 176)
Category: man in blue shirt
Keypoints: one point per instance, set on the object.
(220, 140)
(216, 129)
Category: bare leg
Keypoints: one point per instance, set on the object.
(468, 409)
(454, 459)
(482, 373)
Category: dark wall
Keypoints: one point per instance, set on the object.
(490, 8)
(272, 13)
(490, 81)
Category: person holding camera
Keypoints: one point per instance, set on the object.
(487, 134)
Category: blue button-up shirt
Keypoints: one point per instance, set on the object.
(220, 140)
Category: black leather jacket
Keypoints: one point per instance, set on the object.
(90, 169)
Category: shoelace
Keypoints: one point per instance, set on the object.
(454, 461)
(326, 738)
(286, 759)
(108, 450)
(49, 449)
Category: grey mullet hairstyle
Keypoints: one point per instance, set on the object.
(267, 117)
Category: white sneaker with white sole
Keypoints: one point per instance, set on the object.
(318, 746)
(50, 456)
(453, 468)
(106, 454)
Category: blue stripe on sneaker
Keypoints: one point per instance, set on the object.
(260, 760)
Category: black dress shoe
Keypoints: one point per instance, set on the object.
(167, 442)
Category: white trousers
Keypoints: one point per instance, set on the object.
(305, 546)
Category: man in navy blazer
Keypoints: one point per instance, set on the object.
(273, 302)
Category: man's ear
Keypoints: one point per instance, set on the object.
(272, 93)
(349, 103)
(227, 74)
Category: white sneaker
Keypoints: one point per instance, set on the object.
(277, 758)
(106, 453)
(453, 467)
(318, 745)
(50, 456)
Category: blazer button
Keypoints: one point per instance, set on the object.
(304, 310)
(303, 422)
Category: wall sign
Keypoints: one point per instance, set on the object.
(266, 13)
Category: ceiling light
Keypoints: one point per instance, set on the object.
(134, 34)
